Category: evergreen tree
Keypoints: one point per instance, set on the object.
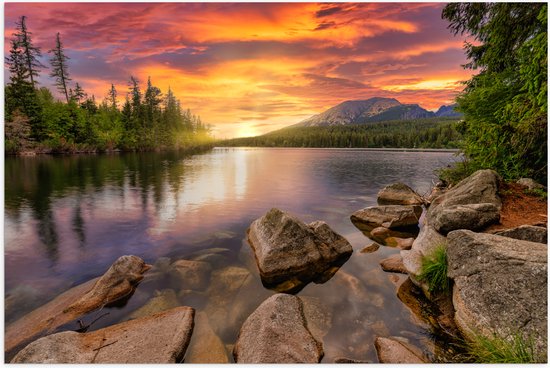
(111, 97)
(505, 104)
(31, 53)
(78, 94)
(60, 69)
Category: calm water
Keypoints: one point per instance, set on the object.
(68, 218)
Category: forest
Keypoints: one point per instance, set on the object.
(36, 121)
(418, 133)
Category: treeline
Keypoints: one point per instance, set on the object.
(419, 133)
(36, 120)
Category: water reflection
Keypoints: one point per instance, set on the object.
(68, 218)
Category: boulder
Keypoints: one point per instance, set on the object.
(290, 254)
(318, 316)
(118, 282)
(395, 351)
(399, 193)
(393, 263)
(390, 217)
(191, 275)
(162, 301)
(206, 347)
(530, 184)
(468, 216)
(500, 285)
(276, 332)
(535, 234)
(472, 197)
(160, 338)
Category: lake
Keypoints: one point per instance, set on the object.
(67, 219)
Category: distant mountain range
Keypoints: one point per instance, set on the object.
(373, 110)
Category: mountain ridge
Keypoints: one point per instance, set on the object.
(374, 109)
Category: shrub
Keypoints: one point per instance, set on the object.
(434, 270)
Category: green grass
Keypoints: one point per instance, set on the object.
(514, 349)
(537, 193)
(434, 270)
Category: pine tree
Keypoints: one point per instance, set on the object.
(78, 94)
(59, 67)
(111, 97)
(30, 52)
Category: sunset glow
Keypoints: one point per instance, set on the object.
(250, 68)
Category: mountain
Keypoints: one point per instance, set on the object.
(363, 111)
(448, 111)
(351, 112)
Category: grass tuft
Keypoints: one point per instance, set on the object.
(514, 349)
(434, 270)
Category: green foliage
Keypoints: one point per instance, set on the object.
(454, 173)
(419, 133)
(514, 349)
(505, 104)
(434, 270)
(537, 192)
(36, 120)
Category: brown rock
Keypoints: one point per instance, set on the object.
(206, 346)
(404, 244)
(373, 247)
(394, 351)
(393, 263)
(162, 301)
(118, 282)
(277, 333)
(381, 234)
(161, 338)
(399, 193)
(392, 216)
(191, 275)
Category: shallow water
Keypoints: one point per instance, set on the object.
(68, 218)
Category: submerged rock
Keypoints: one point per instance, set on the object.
(395, 351)
(371, 248)
(162, 301)
(390, 217)
(399, 193)
(394, 263)
(118, 282)
(161, 338)
(500, 285)
(277, 333)
(535, 234)
(290, 254)
(382, 235)
(206, 347)
(404, 244)
(191, 275)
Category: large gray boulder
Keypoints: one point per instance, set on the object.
(472, 204)
(467, 216)
(392, 216)
(160, 338)
(290, 254)
(500, 285)
(118, 282)
(277, 333)
(535, 234)
(394, 350)
(399, 193)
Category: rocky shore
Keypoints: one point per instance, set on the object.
(497, 281)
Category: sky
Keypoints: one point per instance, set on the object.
(250, 68)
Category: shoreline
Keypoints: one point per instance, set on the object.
(450, 150)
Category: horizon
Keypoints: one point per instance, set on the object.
(251, 68)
